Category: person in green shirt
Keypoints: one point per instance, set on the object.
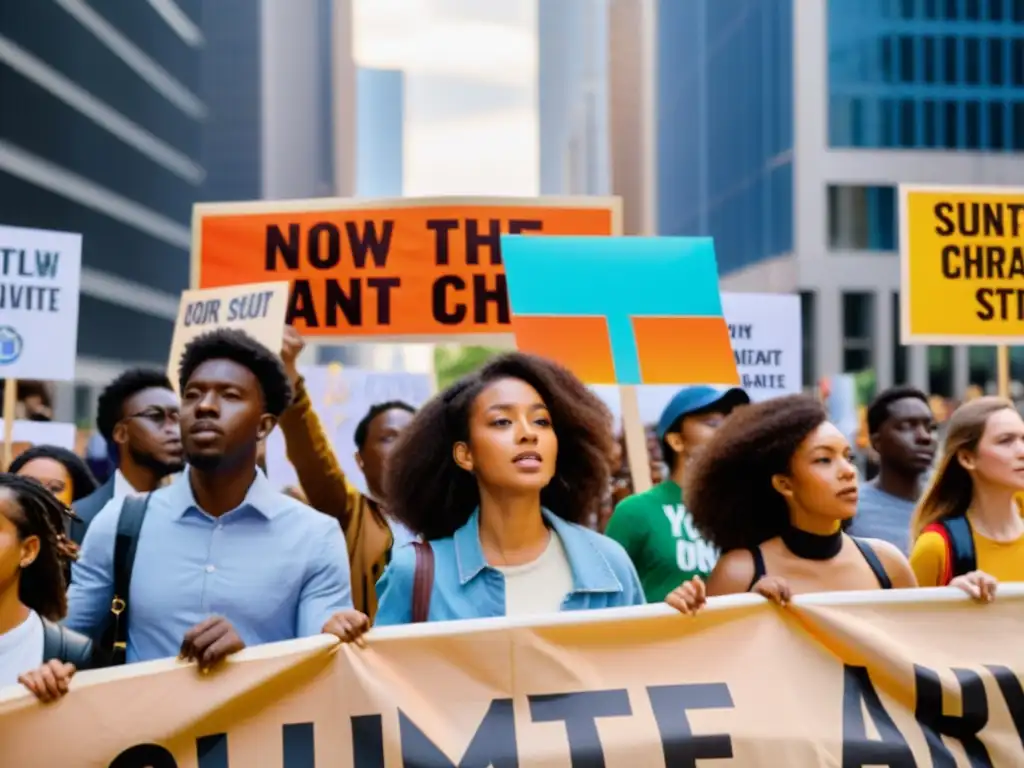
(654, 526)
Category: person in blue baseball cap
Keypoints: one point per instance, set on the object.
(654, 526)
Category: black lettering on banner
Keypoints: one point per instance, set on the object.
(475, 240)
(964, 728)
(368, 741)
(891, 748)
(383, 286)
(441, 229)
(17, 262)
(212, 751)
(323, 245)
(439, 300)
(492, 746)
(580, 711)
(1013, 695)
(979, 219)
(1001, 303)
(350, 303)
(145, 756)
(300, 305)
(681, 748)
(482, 296)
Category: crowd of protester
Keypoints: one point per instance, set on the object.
(488, 501)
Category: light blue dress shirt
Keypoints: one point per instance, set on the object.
(273, 567)
(466, 587)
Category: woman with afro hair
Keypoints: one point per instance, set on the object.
(495, 475)
(773, 490)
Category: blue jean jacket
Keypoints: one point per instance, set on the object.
(466, 587)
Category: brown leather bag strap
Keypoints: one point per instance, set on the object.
(423, 581)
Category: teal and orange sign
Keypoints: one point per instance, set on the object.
(621, 310)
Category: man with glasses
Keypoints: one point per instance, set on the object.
(138, 415)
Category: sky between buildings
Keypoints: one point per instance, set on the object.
(471, 90)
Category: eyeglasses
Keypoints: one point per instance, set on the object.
(157, 416)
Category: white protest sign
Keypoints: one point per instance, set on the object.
(40, 272)
(767, 342)
(341, 397)
(258, 309)
(28, 433)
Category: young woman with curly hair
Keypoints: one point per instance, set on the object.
(772, 491)
(496, 474)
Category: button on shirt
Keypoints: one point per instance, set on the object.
(274, 567)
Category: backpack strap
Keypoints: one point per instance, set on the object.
(960, 557)
(423, 581)
(759, 568)
(874, 562)
(126, 543)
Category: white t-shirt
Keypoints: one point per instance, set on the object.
(21, 649)
(540, 586)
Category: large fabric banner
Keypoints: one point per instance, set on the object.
(903, 679)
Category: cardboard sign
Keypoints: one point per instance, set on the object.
(962, 256)
(624, 310)
(766, 341)
(405, 269)
(257, 309)
(40, 272)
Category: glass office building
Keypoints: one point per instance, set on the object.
(102, 136)
(785, 128)
(725, 126)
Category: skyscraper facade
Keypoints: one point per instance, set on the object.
(785, 127)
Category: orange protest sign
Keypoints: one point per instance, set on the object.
(405, 269)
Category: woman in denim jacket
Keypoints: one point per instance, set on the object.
(495, 474)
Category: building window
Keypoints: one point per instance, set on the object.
(972, 61)
(858, 331)
(900, 353)
(981, 366)
(940, 371)
(972, 10)
(862, 218)
(972, 127)
(930, 138)
(996, 57)
(995, 10)
(949, 60)
(807, 328)
(908, 124)
(996, 125)
(906, 59)
(952, 137)
(1018, 126)
(1017, 61)
(928, 47)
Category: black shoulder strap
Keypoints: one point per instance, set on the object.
(759, 568)
(53, 641)
(961, 545)
(129, 526)
(874, 562)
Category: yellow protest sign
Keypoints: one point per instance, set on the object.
(897, 678)
(962, 254)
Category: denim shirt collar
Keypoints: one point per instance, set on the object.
(591, 572)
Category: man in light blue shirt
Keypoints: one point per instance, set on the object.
(223, 561)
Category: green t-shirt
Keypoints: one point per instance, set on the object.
(657, 532)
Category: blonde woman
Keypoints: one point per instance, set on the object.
(968, 518)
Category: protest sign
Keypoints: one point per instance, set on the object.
(404, 269)
(766, 341)
(898, 678)
(341, 397)
(624, 310)
(40, 272)
(257, 309)
(25, 434)
(962, 258)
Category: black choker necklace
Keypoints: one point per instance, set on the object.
(811, 546)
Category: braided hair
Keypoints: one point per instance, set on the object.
(38, 513)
